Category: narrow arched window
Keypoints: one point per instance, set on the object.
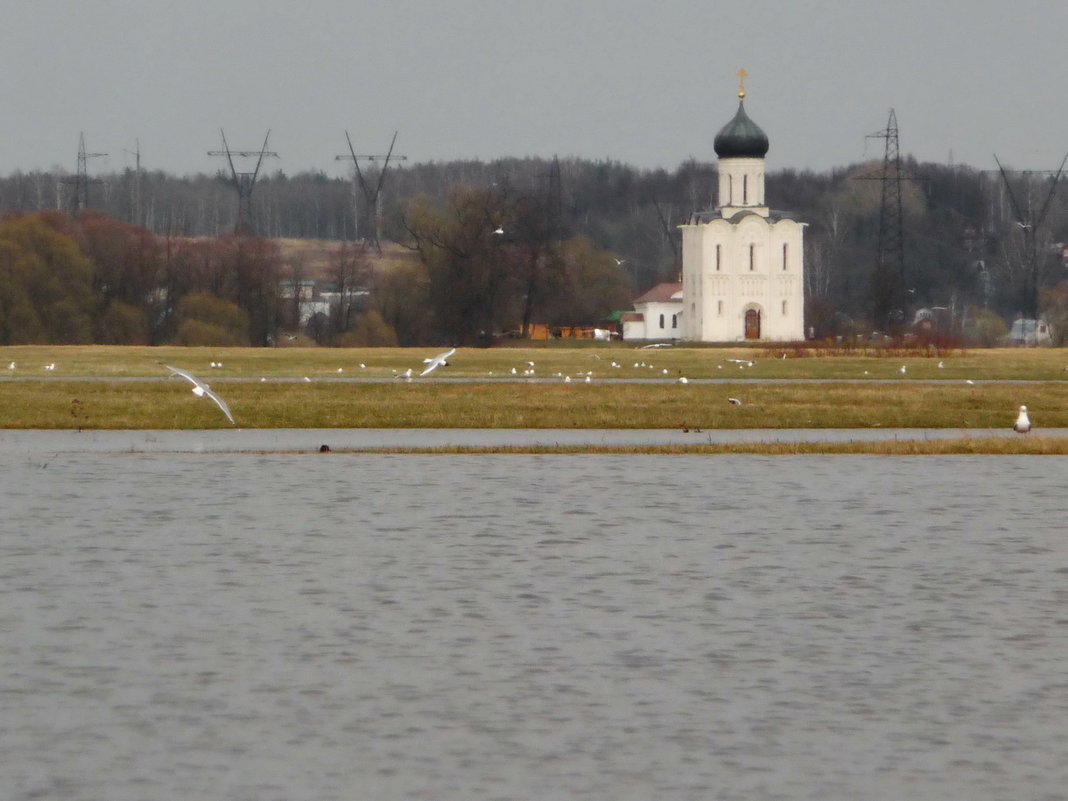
(785, 252)
(719, 307)
(730, 190)
(719, 257)
(661, 321)
(745, 190)
(784, 308)
(752, 257)
(674, 321)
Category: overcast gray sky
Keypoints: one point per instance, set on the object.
(644, 82)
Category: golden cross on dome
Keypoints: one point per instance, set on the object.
(741, 82)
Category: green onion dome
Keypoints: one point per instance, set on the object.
(741, 138)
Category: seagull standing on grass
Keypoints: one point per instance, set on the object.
(200, 389)
(1023, 422)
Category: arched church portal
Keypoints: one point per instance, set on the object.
(752, 323)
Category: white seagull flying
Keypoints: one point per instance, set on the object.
(1023, 422)
(200, 389)
(441, 360)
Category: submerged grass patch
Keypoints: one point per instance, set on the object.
(993, 446)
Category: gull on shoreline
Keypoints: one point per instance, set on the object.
(1023, 422)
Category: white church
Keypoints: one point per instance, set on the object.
(742, 263)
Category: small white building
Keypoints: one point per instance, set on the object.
(1030, 332)
(657, 314)
(742, 263)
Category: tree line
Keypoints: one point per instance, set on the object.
(93, 279)
(89, 278)
(570, 223)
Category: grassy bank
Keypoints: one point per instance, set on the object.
(266, 388)
(1040, 364)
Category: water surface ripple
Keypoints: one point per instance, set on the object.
(239, 626)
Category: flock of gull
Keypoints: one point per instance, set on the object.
(202, 389)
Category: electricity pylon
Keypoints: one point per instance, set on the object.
(888, 279)
(82, 180)
(244, 182)
(1029, 224)
(137, 217)
(371, 196)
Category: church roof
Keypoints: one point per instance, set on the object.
(774, 216)
(662, 293)
(741, 138)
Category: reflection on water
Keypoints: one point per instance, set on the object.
(235, 626)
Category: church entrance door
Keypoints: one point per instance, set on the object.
(752, 324)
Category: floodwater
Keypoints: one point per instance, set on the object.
(234, 625)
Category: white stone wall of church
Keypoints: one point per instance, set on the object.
(716, 300)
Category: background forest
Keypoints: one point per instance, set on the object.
(457, 252)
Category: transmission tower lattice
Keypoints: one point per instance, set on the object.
(556, 202)
(244, 182)
(1029, 224)
(82, 180)
(888, 279)
(370, 195)
(138, 219)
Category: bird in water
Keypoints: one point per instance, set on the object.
(1023, 422)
